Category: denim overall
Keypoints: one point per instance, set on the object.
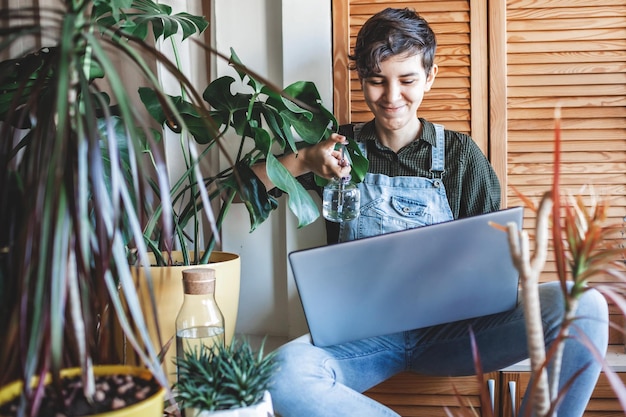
(390, 204)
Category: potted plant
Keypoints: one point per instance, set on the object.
(231, 380)
(262, 121)
(584, 248)
(76, 180)
(68, 122)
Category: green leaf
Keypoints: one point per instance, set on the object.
(311, 123)
(256, 85)
(224, 377)
(278, 126)
(135, 18)
(199, 128)
(300, 201)
(153, 105)
(358, 161)
(218, 94)
(253, 193)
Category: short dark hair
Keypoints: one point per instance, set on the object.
(392, 32)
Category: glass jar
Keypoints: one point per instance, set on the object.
(199, 321)
(341, 200)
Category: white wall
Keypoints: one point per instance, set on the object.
(285, 41)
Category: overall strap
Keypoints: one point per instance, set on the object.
(437, 167)
(356, 131)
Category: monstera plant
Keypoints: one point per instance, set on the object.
(263, 122)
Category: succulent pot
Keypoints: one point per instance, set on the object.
(262, 409)
(150, 407)
(168, 291)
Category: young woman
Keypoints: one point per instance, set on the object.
(394, 58)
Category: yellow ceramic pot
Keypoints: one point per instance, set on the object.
(168, 290)
(150, 407)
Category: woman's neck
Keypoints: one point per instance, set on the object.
(399, 138)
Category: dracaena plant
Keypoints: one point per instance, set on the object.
(263, 121)
(67, 123)
(584, 246)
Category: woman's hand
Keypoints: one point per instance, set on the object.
(322, 158)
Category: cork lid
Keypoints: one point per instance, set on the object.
(199, 281)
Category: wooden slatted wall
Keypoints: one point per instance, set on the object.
(426, 396)
(504, 91)
(458, 98)
(570, 53)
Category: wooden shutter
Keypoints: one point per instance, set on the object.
(458, 98)
(503, 90)
(560, 53)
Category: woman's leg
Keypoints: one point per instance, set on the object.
(314, 381)
(501, 340)
(317, 381)
(592, 321)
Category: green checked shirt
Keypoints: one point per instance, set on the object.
(471, 184)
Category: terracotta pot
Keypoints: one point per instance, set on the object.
(168, 289)
(150, 407)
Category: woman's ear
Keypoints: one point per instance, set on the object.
(430, 78)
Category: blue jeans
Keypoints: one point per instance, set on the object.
(314, 381)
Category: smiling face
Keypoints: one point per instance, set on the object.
(395, 93)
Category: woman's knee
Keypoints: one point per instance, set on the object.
(591, 315)
(297, 361)
(592, 304)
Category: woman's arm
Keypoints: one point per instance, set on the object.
(321, 159)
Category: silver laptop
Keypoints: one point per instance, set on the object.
(407, 280)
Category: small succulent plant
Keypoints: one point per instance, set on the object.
(223, 378)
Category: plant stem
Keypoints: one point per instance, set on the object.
(530, 269)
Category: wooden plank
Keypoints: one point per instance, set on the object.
(565, 37)
(423, 400)
(420, 6)
(341, 74)
(448, 59)
(601, 9)
(589, 79)
(578, 146)
(616, 210)
(532, 4)
(570, 67)
(479, 75)
(538, 190)
(587, 22)
(567, 47)
(552, 102)
(552, 58)
(605, 156)
(569, 113)
(567, 135)
(583, 168)
(597, 180)
(498, 146)
(600, 123)
(566, 91)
